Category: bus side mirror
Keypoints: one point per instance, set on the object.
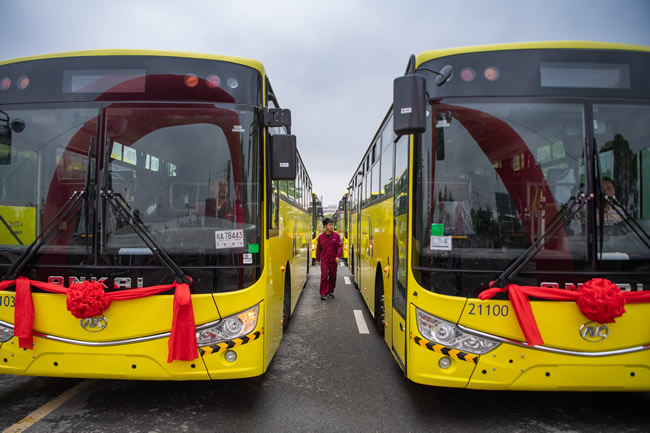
(409, 104)
(283, 157)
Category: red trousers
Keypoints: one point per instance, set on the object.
(327, 277)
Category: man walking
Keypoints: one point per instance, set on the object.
(328, 251)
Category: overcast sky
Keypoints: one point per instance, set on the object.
(332, 62)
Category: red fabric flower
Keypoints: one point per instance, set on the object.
(601, 300)
(87, 299)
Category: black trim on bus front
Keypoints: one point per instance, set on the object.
(519, 73)
(133, 78)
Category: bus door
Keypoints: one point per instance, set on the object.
(400, 253)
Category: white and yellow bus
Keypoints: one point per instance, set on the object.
(500, 218)
(153, 216)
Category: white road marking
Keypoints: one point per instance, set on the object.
(342, 264)
(48, 407)
(347, 280)
(361, 323)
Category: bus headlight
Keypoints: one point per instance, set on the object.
(229, 327)
(448, 334)
(6, 333)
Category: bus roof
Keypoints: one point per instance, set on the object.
(255, 64)
(434, 54)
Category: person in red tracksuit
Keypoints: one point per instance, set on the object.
(328, 251)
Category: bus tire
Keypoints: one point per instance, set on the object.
(286, 305)
(380, 309)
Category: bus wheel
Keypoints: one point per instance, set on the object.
(286, 306)
(380, 309)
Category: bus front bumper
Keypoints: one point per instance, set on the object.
(138, 361)
(513, 367)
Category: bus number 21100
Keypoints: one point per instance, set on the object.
(488, 309)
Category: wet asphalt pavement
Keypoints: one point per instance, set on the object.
(325, 377)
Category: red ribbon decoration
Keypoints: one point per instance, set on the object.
(598, 299)
(88, 299)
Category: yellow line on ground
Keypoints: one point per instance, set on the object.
(48, 408)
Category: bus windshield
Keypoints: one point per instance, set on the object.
(491, 175)
(189, 172)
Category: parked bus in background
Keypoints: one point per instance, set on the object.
(500, 218)
(341, 225)
(317, 223)
(144, 233)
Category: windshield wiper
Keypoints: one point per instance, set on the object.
(140, 229)
(45, 235)
(559, 221)
(90, 191)
(629, 220)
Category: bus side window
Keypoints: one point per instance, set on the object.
(273, 215)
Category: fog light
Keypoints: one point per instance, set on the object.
(444, 362)
(231, 355)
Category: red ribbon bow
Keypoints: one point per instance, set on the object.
(87, 299)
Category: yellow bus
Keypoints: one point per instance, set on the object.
(316, 225)
(500, 218)
(153, 216)
(341, 221)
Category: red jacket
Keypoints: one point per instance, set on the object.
(328, 248)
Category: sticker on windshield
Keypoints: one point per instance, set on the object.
(437, 229)
(441, 243)
(229, 239)
(130, 155)
(116, 153)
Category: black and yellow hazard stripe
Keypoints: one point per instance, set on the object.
(229, 344)
(444, 350)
